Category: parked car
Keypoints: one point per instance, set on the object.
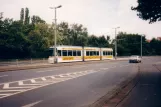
(135, 59)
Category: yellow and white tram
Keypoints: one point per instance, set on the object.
(78, 53)
(91, 53)
(107, 53)
(67, 54)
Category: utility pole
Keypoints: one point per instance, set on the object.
(116, 42)
(55, 38)
(141, 47)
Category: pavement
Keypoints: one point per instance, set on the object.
(65, 86)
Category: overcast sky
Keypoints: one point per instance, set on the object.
(99, 16)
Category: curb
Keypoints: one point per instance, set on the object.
(114, 97)
(5, 69)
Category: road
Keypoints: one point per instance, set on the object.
(147, 91)
(66, 86)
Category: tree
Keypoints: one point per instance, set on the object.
(12, 40)
(65, 33)
(130, 43)
(93, 41)
(22, 15)
(36, 19)
(149, 10)
(155, 46)
(38, 40)
(76, 35)
(27, 17)
(102, 41)
(1, 15)
(79, 32)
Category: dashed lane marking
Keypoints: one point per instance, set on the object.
(33, 81)
(125, 65)
(32, 104)
(79, 66)
(104, 68)
(16, 87)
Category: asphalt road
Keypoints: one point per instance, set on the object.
(66, 86)
(147, 92)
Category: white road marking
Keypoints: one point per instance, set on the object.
(33, 81)
(11, 90)
(32, 104)
(21, 83)
(35, 84)
(3, 76)
(124, 65)
(6, 86)
(52, 77)
(43, 78)
(104, 68)
(79, 66)
(61, 76)
(5, 94)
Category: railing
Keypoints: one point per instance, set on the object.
(21, 62)
(25, 62)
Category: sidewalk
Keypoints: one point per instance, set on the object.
(147, 92)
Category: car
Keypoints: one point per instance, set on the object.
(135, 59)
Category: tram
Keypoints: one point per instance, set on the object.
(78, 53)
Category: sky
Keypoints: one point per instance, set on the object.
(98, 16)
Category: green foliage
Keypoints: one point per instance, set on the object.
(156, 46)
(36, 20)
(27, 17)
(22, 15)
(98, 41)
(130, 44)
(149, 10)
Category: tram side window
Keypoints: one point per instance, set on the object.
(88, 53)
(97, 53)
(78, 53)
(94, 53)
(110, 53)
(59, 52)
(74, 53)
(104, 53)
(70, 53)
(91, 53)
(65, 53)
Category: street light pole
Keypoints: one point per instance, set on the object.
(55, 31)
(55, 38)
(116, 42)
(141, 46)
